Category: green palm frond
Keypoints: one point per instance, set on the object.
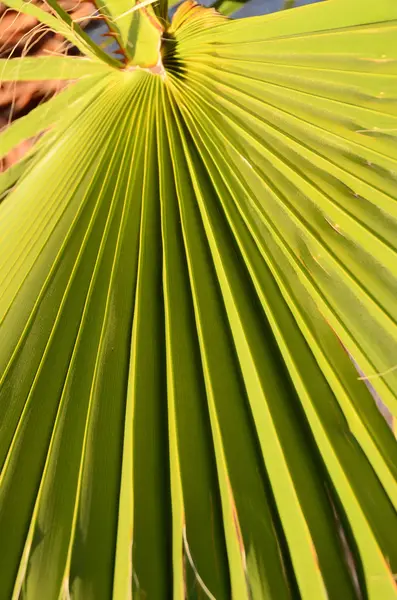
(186, 262)
(48, 67)
(137, 30)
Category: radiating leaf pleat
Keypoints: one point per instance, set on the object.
(218, 360)
(151, 549)
(195, 493)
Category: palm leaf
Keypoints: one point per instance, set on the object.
(46, 114)
(136, 27)
(48, 67)
(183, 267)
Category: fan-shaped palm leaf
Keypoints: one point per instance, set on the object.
(178, 260)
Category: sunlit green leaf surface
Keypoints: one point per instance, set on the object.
(182, 269)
